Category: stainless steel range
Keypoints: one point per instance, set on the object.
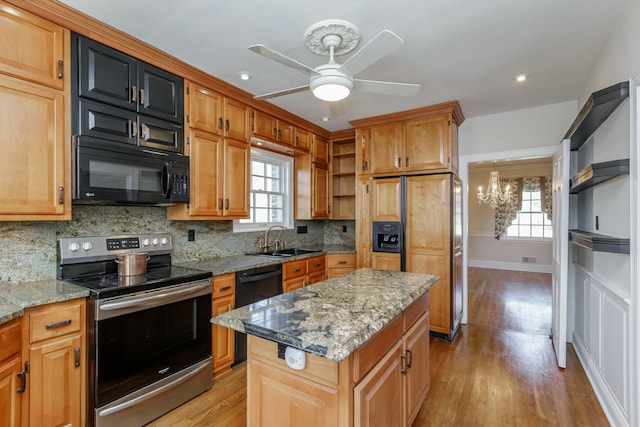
(149, 336)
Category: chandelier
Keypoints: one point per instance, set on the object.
(494, 195)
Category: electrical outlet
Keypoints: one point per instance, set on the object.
(301, 229)
(597, 222)
(191, 235)
(344, 228)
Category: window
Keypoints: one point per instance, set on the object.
(271, 198)
(531, 221)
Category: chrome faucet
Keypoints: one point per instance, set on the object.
(278, 244)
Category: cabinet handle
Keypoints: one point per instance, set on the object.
(297, 140)
(141, 96)
(366, 165)
(220, 123)
(409, 358)
(220, 204)
(60, 69)
(342, 262)
(399, 162)
(295, 270)
(23, 381)
(61, 195)
(143, 131)
(58, 324)
(226, 288)
(406, 163)
(134, 128)
(77, 357)
(226, 204)
(279, 134)
(403, 364)
(317, 264)
(226, 125)
(134, 94)
(275, 133)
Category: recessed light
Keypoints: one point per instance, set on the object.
(521, 78)
(325, 118)
(244, 75)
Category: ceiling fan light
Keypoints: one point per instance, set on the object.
(331, 87)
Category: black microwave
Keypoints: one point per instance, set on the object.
(108, 172)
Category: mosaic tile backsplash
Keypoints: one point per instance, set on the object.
(28, 249)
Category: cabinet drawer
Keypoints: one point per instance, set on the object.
(293, 269)
(9, 339)
(315, 264)
(224, 285)
(341, 260)
(55, 320)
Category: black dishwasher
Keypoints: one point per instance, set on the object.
(254, 285)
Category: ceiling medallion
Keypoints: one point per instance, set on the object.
(348, 33)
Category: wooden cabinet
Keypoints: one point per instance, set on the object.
(219, 165)
(363, 224)
(387, 200)
(36, 162)
(342, 181)
(311, 188)
(271, 128)
(302, 139)
(222, 301)
(319, 150)
(416, 348)
(424, 140)
(10, 374)
(319, 191)
(385, 261)
(299, 273)
(54, 344)
(211, 112)
(338, 264)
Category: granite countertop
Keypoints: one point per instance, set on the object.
(334, 317)
(14, 298)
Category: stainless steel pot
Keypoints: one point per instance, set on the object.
(132, 264)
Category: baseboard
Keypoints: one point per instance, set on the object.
(516, 266)
(615, 415)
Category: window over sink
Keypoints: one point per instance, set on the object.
(271, 197)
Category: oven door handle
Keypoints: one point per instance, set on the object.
(153, 299)
(140, 399)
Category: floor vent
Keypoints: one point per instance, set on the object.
(529, 260)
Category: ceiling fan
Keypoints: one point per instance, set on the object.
(332, 81)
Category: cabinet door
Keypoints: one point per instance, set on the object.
(206, 174)
(302, 139)
(315, 278)
(55, 393)
(33, 152)
(320, 150)
(105, 122)
(236, 178)
(386, 200)
(205, 109)
(416, 344)
(286, 132)
(107, 75)
(385, 149)
(302, 185)
(222, 338)
(427, 144)
(385, 261)
(10, 399)
(363, 224)
(264, 125)
(320, 193)
(236, 120)
(160, 93)
(293, 284)
(378, 398)
(457, 212)
(456, 284)
(362, 151)
(31, 48)
(160, 134)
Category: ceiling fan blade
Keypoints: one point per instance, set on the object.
(267, 52)
(386, 88)
(336, 109)
(381, 45)
(282, 92)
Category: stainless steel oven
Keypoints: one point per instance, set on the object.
(149, 336)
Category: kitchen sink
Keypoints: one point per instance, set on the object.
(285, 252)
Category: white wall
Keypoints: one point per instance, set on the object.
(483, 250)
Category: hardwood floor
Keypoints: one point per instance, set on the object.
(500, 369)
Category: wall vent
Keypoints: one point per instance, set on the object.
(529, 260)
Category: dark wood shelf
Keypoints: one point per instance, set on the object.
(596, 173)
(599, 242)
(595, 111)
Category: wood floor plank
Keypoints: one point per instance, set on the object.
(499, 371)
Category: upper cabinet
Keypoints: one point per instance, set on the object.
(303, 138)
(211, 112)
(271, 128)
(342, 181)
(423, 140)
(35, 162)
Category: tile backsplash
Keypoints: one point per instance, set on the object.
(28, 249)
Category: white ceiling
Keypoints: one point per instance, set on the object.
(465, 50)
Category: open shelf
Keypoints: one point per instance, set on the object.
(599, 242)
(595, 111)
(598, 172)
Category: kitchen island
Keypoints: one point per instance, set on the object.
(365, 338)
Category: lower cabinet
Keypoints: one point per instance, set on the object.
(303, 272)
(222, 339)
(385, 261)
(11, 375)
(54, 346)
(383, 383)
(338, 264)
